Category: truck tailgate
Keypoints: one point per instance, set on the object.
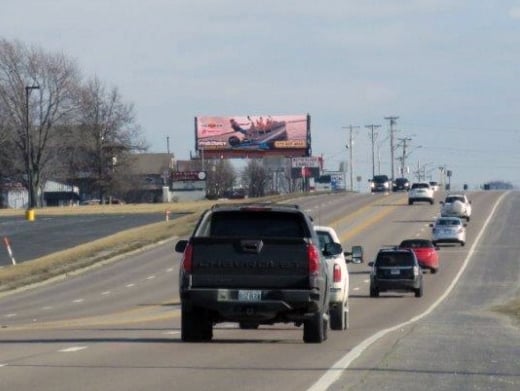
(267, 263)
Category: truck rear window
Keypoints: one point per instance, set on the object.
(257, 224)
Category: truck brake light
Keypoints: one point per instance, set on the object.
(337, 273)
(313, 256)
(187, 258)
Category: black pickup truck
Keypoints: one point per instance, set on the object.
(253, 264)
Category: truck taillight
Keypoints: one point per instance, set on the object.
(337, 273)
(313, 256)
(187, 258)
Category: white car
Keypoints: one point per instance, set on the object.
(456, 205)
(420, 192)
(339, 290)
(448, 230)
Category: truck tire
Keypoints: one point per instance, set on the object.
(374, 292)
(315, 329)
(339, 317)
(419, 291)
(196, 325)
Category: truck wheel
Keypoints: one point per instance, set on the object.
(339, 317)
(410, 202)
(315, 329)
(374, 292)
(196, 325)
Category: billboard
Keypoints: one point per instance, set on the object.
(253, 136)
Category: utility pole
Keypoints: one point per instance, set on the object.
(350, 160)
(392, 120)
(373, 137)
(404, 141)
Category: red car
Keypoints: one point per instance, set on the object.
(425, 251)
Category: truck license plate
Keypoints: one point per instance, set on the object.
(395, 272)
(249, 295)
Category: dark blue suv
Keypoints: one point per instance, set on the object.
(396, 270)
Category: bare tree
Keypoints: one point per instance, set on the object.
(256, 178)
(37, 94)
(221, 176)
(106, 133)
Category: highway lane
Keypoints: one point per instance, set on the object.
(47, 234)
(120, 319)
(464, 343)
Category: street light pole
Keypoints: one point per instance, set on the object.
(28, 147)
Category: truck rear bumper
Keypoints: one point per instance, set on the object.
(263, 306)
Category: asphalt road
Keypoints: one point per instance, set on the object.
(117, 327)
(48, 234)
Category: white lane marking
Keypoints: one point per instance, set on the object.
(47, 308)
(336, 370)
(78, 301)
(171, 332)
(3, 365)
(356, 289)
(366, 281)
(130, 285)
(169, 270)
(10, 315)
(150, 277)
(72, 349)
(106, 293)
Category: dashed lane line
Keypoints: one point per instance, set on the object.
(72, 349)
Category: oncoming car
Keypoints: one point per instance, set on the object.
(380, 183)
(449, 230)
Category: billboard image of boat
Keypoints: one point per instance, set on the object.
(253, 136)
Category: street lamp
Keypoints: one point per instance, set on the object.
(28, 147)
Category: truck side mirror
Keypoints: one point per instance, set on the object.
(357, 254)
(181, 245)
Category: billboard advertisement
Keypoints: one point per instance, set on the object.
(253, 136)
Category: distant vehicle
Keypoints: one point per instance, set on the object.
(434, 185)
(425, 251)
(449, 230)
(396, 270)
(337, 262)
(401, 184)
(420, 192)
(457, 205)
(380, 183)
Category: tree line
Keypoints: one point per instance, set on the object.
(57, 124)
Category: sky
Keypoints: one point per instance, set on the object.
(448, 69)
